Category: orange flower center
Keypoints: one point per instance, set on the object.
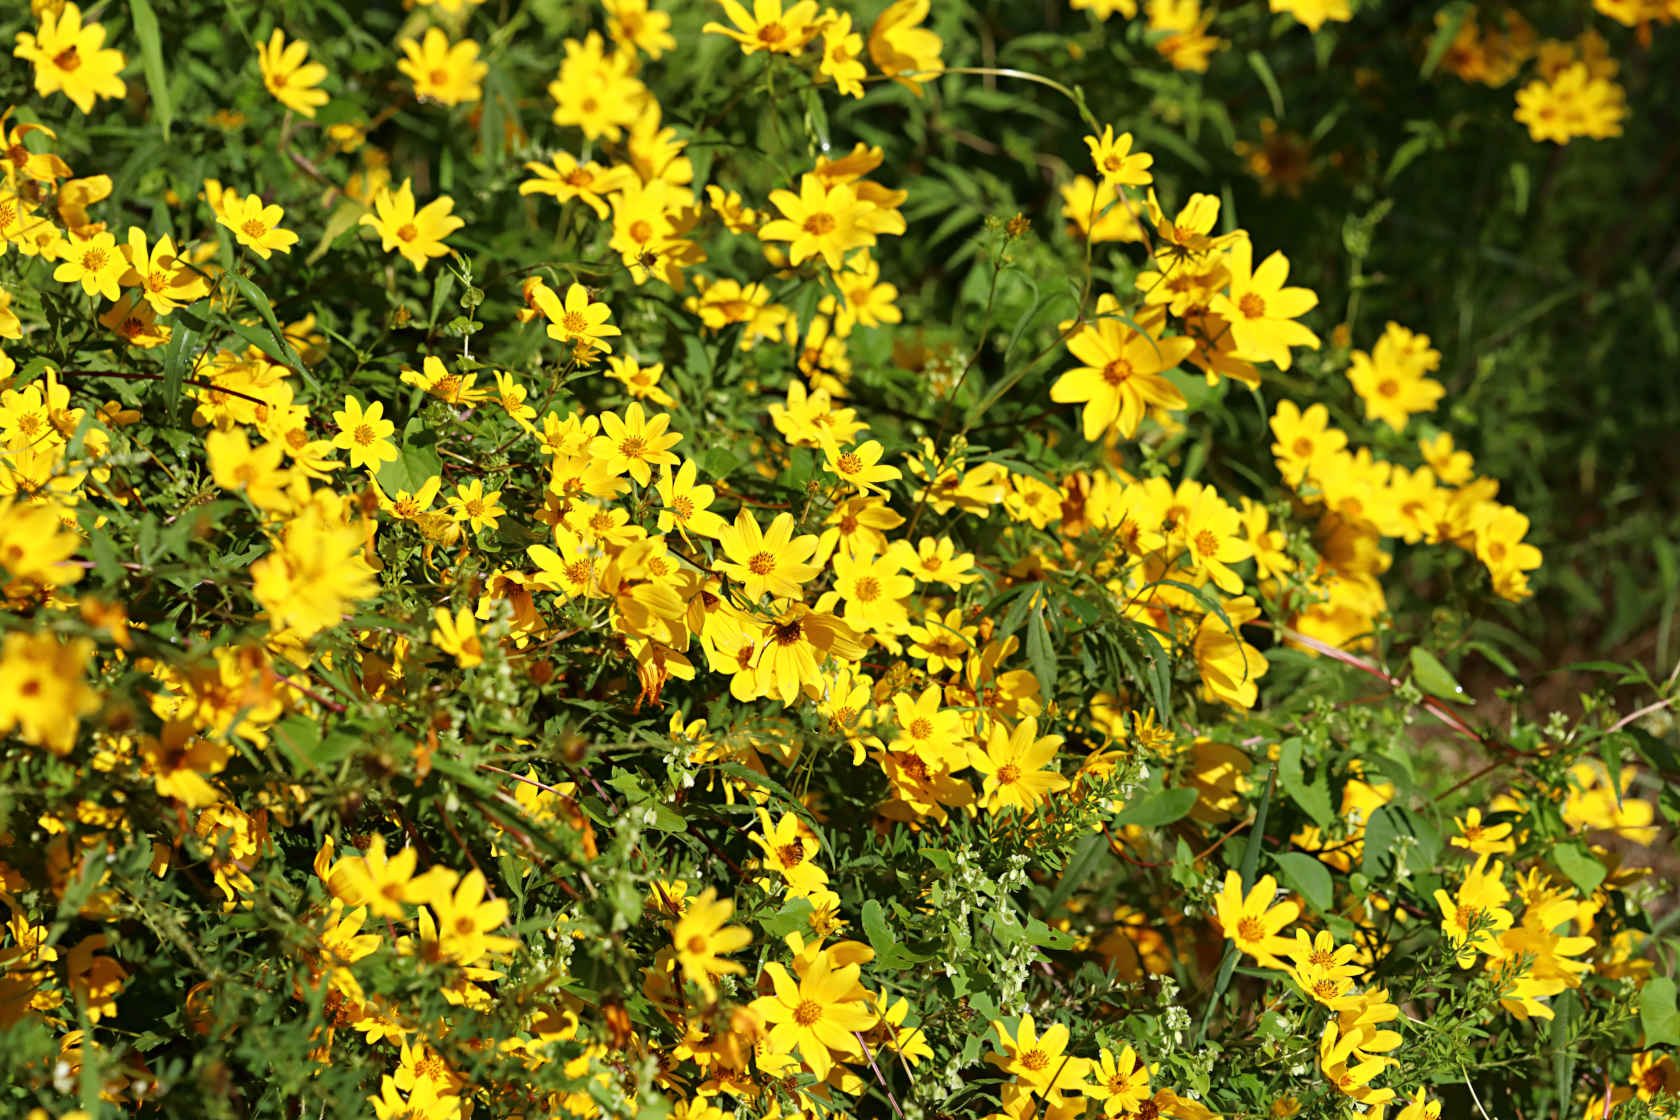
(1116, 371)
(573, 322)
(408, 232)
(807, 1013)
(1035, 1060)
(1250, 929)
(849, 463)
(363, 435)
(632, 447)
(254, 228)
(867, 591)
(93, 260)
(1008, 774)
(820, 224)
(640, 232)
(771, 34)
(682, 507)
(67, 59)
(762, 563)
(787, 633)
(1252, 306)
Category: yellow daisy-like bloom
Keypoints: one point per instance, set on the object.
(471, 504)
(861, 466)
(701, 937)
(365, 434)
(69, 58)
(1118, 165)
(578, 321)
(94, 262)
(1040, 1061)
(288, 77)
(816, 1014)
(437, 381)
(768, 27)
(457, 635)
(904, 50)
(565, 178)
(164, 282)
(1122, 377)
(1019, 767)
(1252, 921)
(775, 562)
(257, 227)
(441, 72)
(636, 443)
(820, 220)
(1261, 310)
(416, 234)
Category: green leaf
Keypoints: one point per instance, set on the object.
(255, 297)
(1310, 878)
(1565, 1009)
(1314, 797)
(1263, 69)
(151, 60)
(1041, 653)
(1162, 809)
(795, 915)
(1456, 15)
(175, 355)
(1078, 869)
(1659, 1015)
(1433, 678)
(889, 953)
(1577, 863)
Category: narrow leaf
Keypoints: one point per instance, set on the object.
(151, 60)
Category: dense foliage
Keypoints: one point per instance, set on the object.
(563, 558)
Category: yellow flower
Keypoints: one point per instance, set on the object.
(437, 381)
(457, 635)
(861, 467)
(164, 281)
(1122, 377)
(579, 321)
(565, 178)
(635, 444)
(464, 921)
(686, 504)
(288, 77)
(903, 49)
(1120, 1081)
(767, 27)
(826, 220)
(443, 73)
(597, 93)
(840, 61)
(1019, 767)
(1261, 310)
(256, 226)
(365, 434)
(42, 693)
(472, 505)
(69, 58)
(417, 235)
(1039, 1061)
(1118, 165)
(1480, 839)
(93, 261)
(631, 23)
(1390, 379)
(818, 1014)
(1253, 922)
(1313, 13)
(774, 563)
(701, 937)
